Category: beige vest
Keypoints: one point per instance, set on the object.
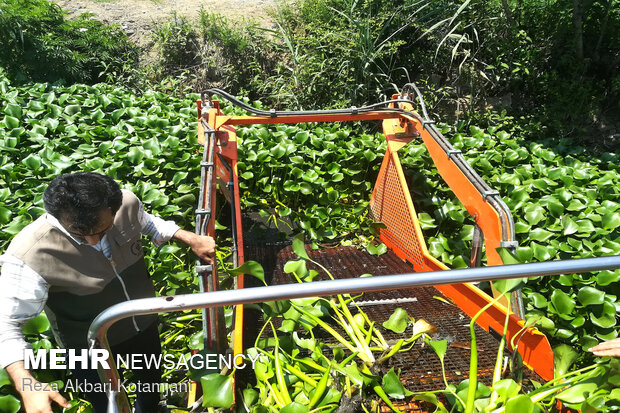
(82, 281)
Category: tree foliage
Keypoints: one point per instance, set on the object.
(38, 43)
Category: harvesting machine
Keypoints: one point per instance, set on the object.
(407, 276)
(391, 203)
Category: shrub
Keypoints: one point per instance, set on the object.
(217, 51)
(40, 45)
(177, 44)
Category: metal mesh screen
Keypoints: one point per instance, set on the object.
(420, 367)
(391, 205)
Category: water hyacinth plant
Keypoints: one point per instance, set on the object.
(326, 352)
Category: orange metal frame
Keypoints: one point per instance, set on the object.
(391, 204)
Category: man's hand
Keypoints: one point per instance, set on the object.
(609, 348)
(202, 245)
(34, 401)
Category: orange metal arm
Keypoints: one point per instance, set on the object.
(262, 120)
(391, 204)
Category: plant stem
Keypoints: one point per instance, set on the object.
(473, 363)
(286, 397)
(497, 372)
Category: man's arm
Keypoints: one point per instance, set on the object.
(202, 245)
(160, 231)
(34, 401)
(22, 296)
(609, 348)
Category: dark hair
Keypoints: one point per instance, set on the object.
(79, 198)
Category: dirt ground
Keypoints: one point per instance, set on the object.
(139, 17)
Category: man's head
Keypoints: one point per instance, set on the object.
(85, 203)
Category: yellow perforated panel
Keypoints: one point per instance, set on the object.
(391, 204)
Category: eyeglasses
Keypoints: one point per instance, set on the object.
(105, 218)
(95, 234)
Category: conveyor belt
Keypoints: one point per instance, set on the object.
(420, 367)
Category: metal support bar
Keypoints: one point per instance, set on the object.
(476, 247)
(97, 333)
(233, 214)
(203, 216)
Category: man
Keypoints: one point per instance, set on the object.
(81, 257)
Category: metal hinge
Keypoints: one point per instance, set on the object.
(201, 269)
(489, 193)
(509, 244)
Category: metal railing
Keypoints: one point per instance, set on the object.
(97, 334)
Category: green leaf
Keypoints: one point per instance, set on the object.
(10, 122)
(250, 397)
(296, 266)
(72, 109)
(578, 393)
(520, 404)
(590, 296)
(4, 194)
(398, 321)
(217, 390)
(507, 256)
(4, 378)
(97, 115)
(426, 221)
(541, 253)
(538, 300)
(506, 286)
(299, 247)
(135, 155)
(562, 302)
(586, 226)
(196, 341)
(439, 346)
(274, 308)
(534, 214)
(294, 408)
(13, 110)
(305, 188)
(36, 325)
(333, 396)
(459, 262)
(51, 124)
(525, 254)
(540, 234)
(9, 404)
(563, 358)
(378, 249)
(607, 317)
(393, 387)
(556, 208)
(252, 268)
(611, 221)
(17, 224)
(506, 389)
(33, 162)
(5, 215)
(155, 198)
(605, 278)
(278, 151)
